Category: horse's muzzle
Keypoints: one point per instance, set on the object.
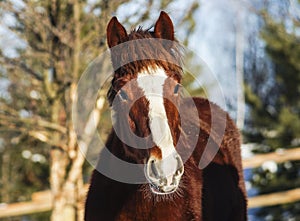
(164, 174)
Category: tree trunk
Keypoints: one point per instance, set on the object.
(67, 193)
(66, 168)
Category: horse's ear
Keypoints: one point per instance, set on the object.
(115, 32)
(164, 27)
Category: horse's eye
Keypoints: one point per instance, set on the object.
(176, 89)
(123, 95)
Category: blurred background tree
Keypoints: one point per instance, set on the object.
(57, 39)
(272, 94)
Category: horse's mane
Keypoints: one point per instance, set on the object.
(142, 50)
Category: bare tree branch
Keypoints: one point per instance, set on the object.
(15, 62)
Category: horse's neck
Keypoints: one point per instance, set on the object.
(115, 145)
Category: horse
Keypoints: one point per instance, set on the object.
(166, 136)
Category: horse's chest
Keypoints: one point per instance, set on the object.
(146, 210)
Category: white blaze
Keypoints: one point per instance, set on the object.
(152, 82)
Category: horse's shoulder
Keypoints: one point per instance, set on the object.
(211, 119)
(206, 106)
(206, 109)
(209, 110)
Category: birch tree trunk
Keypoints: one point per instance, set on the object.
(66, 185)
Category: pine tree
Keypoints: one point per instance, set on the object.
(274, 105)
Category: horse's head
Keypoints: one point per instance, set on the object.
(145, 96)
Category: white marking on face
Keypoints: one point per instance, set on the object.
(152, 81)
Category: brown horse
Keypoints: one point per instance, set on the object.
(166, 137)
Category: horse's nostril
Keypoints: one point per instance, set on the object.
(179, 161)
(154, 169)
(180, 167)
